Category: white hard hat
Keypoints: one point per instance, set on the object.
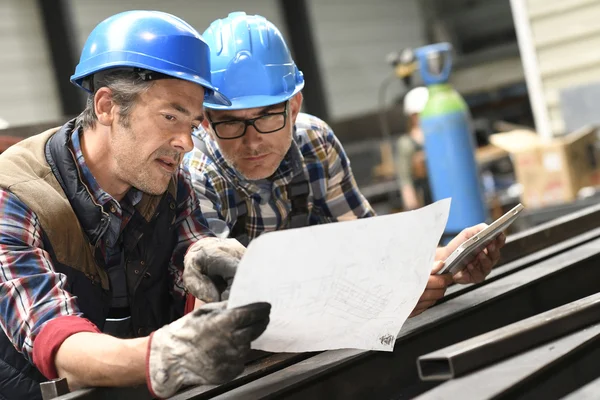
(415, 100)
(3, 124)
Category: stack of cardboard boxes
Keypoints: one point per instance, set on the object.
(552, 171)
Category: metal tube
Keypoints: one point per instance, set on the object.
(460, 358)
(54, 388)
(550, 233)
(525, 372)
(562, 376)
(353, 374)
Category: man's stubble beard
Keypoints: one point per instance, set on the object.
(134, 171)
(281, 154)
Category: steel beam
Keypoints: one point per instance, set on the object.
(54, 388)
(523, 262)
(254, 370)
(353, 374)
(538, 243)
(587, 392)
(461, 358)
(557, 379)
(449, 314)
(124, 393)
(527, 375)
(550, 233)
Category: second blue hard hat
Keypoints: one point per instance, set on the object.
(149, 41)
(250, 62)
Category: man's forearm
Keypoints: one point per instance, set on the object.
(93, 359)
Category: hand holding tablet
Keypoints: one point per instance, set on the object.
(466, 252)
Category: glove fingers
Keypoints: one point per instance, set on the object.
(245, 336)
(245, 316)
(251, 314)
(201, 286)
(218, 264)
(212, 307)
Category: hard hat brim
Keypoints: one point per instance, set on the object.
(256, 101)
(211, 94)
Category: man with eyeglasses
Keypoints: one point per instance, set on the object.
(261, 165)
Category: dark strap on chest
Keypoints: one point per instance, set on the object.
(297, 192)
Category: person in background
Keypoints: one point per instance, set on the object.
(410, 162)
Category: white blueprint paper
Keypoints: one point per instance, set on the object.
(342, 285)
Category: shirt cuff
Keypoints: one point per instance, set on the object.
(190, 302)
(52, 336)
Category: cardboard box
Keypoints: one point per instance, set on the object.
(552, 171)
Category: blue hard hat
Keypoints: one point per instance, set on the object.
(250, 62)
(149, 42)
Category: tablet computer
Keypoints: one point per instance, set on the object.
(466, 252)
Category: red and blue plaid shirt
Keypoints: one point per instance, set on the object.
(32, 293)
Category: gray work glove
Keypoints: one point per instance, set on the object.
(206, 346)
(209, 267)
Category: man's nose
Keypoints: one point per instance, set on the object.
(183, 142)
(252, 136)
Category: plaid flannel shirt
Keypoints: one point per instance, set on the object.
(315, 151)
(32, 293)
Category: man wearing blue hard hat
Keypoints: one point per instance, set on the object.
(95, 219)
(261, 165)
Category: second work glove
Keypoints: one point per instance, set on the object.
(207, 346)
(209, 267)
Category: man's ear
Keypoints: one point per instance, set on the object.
(104, 106)
(295, 105)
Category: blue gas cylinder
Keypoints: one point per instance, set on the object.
(449, 142)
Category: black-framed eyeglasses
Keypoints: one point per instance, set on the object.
(236, 128)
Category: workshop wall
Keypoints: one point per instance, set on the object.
(352, 39)
(564, 38)
(88, 13)
(28, 92)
